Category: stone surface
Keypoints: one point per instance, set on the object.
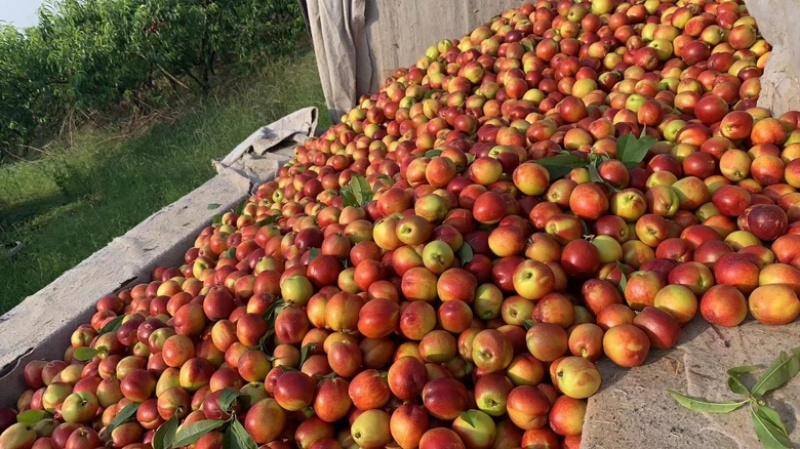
(780, 83)
(633, 408)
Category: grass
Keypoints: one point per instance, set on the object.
(65, 206)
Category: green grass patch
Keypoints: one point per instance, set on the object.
(65, 206)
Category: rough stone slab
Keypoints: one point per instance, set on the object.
(633, 408)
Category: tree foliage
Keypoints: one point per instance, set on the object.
(89, 56)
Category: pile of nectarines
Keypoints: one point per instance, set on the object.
(443, 268)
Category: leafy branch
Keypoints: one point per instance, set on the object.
(168, 436)
(631, 151)
(357, 192)
(767, 422)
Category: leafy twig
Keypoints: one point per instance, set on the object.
(767, 422)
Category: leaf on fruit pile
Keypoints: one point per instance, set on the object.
(769, 428)
(269, 220)
(357, 192)
(528, 324)
(304, 352)
(226, 398)
(112, 325)
(165, 434)
(263, 344)
(623, 279)
(594, 175)
(193, 432)
(240, 207)
(312, 254)
(465, 253)
(236, 437)
(706, 406)
(273, 310)
(217, 221)
(123, 415)
(84, 354)
(433, 153)
(31, 417)
(469, 416)
(782, 370)
(560, 165)
(213, 206)
(631, 151)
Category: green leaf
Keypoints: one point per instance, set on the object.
(782, 370)
(31, 417)
(465, 253)
(631, 150)
(772, 417)
(348, 198)
(84, 354)
(358, 193)
(739, 370)
(122, 416)
(469, 416)
(594, 175)
(433, 153)
(704, 405)
(268, 221)
(226, 398)
(528, 324)
(165, 434)
(240, 207)
(560, 165)
(364, 189)
(312, 254)
(770, 435)
(304, 352)
(193, 432)
(112, 325)
(736, 385)
(623, 278)
(236, 437)
(217, 221)
(273, 310)
(213, 206)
